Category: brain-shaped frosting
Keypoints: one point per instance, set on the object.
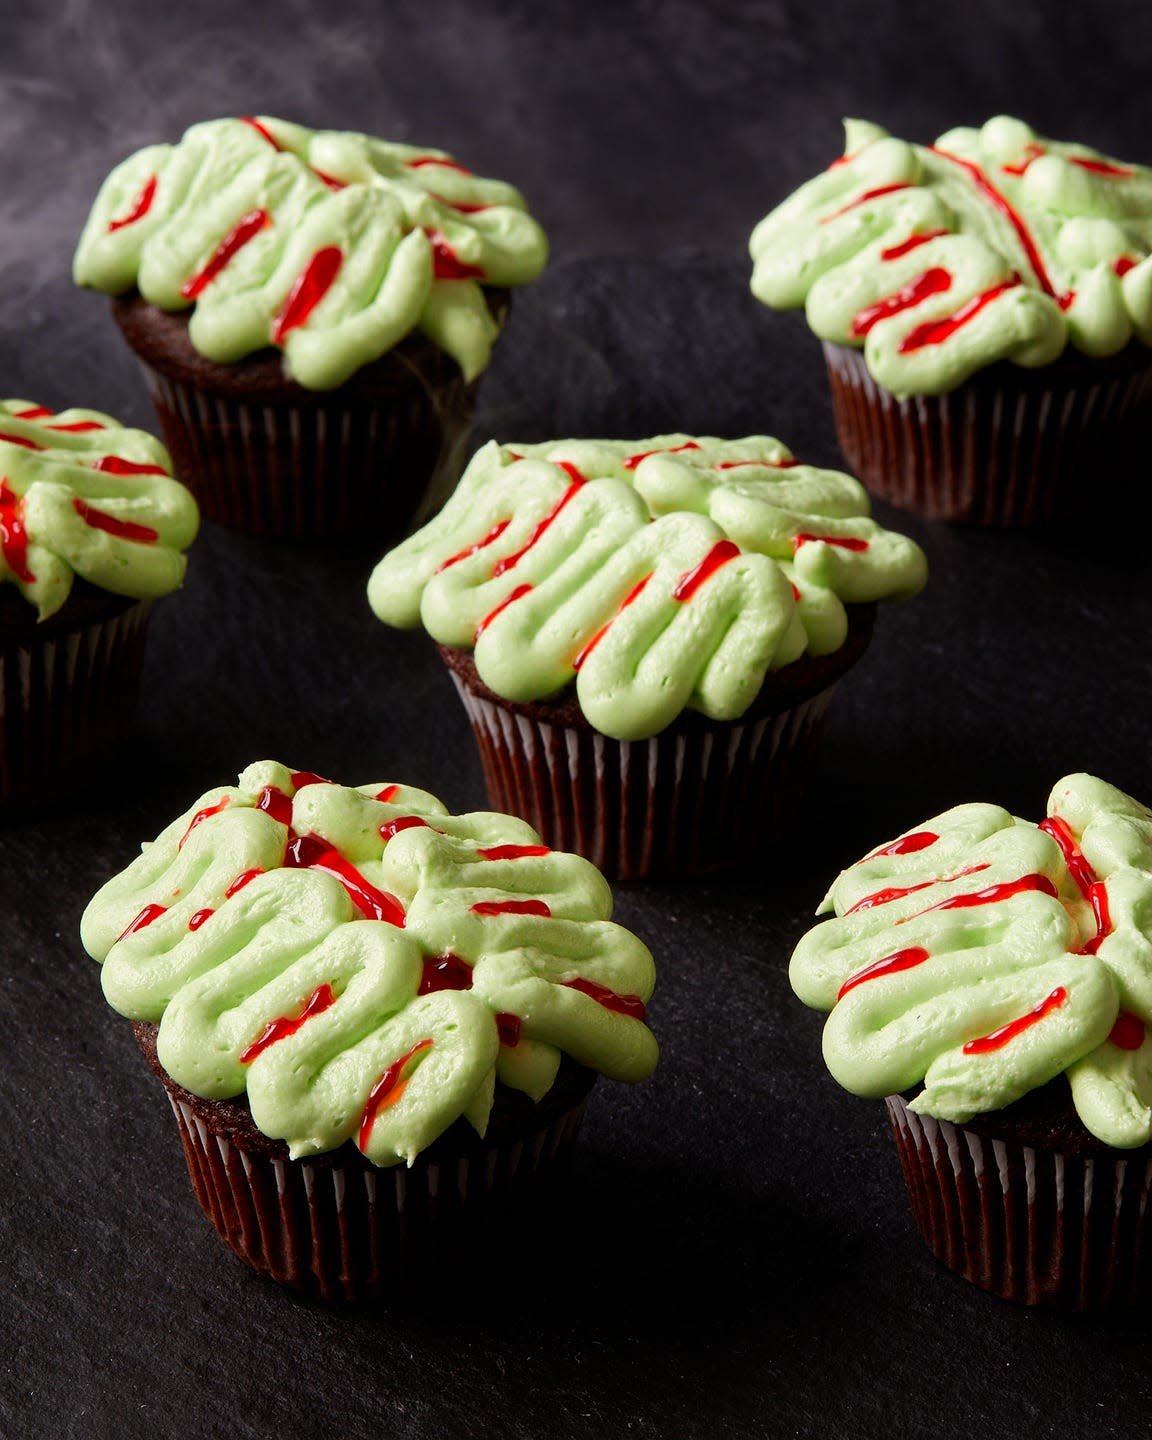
(330, 245)
(983, 955)
(81, 495)
(992, 244)
(364, 964)
(658, 574)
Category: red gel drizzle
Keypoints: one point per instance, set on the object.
(512, 852)
(465, 207)
(313, 852)
(144, 919)
(1098, 896)
(1122, 266)
(262, 130)
(931, 282)
(502, 566)
(388, 1089)
(999, 1038)
(391, 828)
(114, 465)
(201, 816)
(140, 206)
(13, 535)
(330, 180)
(841, 542)
(1101, 167)
(1078, 867)
(906, 845)
(78, 427)
(245, 229)
(1128, 1031)
(894, 252)
(319, 1001)
(445, 972)
(34, 412)
(20, 439)
(446, 264)
(276, 804)
(599, 635)
(935, 332)
(470, 550)
(634, 460)
(199, 918)
(619, 1004)
(302, 778)
(517, 594)
(1001, 203)
(442, 160)
(688, 584)
(121, 529)
(885, 897)
(512, 907)
(770, 464)
(508, 1029)
(241, 880)
(867, 195)
(309, 288)
(991, 895)
(888, 965)
(1032, 153)
(388, 794)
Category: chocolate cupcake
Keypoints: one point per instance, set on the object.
(985, 305)
(377, 1023)
(92, 526)
(312, 310)
(993, 980)
(646, 634)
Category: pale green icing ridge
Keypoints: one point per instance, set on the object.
(991, 963)
(387, 215)
(285, 933)
(583, 539)
(824, 248)
(54, 501)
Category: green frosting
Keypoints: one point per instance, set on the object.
(982, 956)
(425, 955)
(993, 244)
(580, 560)
(232, 218)
(81, 495)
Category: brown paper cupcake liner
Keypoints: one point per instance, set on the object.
(1031, 1225)
(67, 692)
(1007, 448)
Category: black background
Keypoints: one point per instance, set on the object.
(738, 1259)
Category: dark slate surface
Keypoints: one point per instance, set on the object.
(738, 1260)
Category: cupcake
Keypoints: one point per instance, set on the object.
(92, 529)
(985, 305)
(646, 633)
(377, 1023)
(312, 310)
(992, 979)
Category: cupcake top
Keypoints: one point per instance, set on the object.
(364, 964)
(81, 495)
(982, 956)
(657, 575)
(329, 245)
(992, 244)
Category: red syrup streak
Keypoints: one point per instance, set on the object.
(199, 918)
(634, 460)
(1122, 266)
(143, 920)
(445, 972)
(587, 650)
(140, 206)
(1032, 153)
(470, 550)
(446, 264)
(894, 252)
(990, 895)
(999, 1038)
(465, 207)
(512, 852)
(512, 907)
(885, 897)
(619, 1004)
(201, 816)
(503, 566)
(78, 427)
(388, 1090)
(1098, 896)
(508, 1029)
(302, 778)
(770, 464)
(320, 1000)
(420, 161)
(261, 130)
(841, 542)
(867, 195)
(1001, 203)
(245, 229)
(121, 529)
(313, 852)
(20, 439)
(935, 332)
(241, 880)
(517, 594)
(931, 282)
(1128, 1031)
(114, 465)
(906, 845)
(275, 804)
(1078, 867)
(391, 828)
(309, 288)
(688, 584)
(388, 794)
(330, 180)
(35, 412)
(1101, 167)
(13, 535)
(888, 965)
